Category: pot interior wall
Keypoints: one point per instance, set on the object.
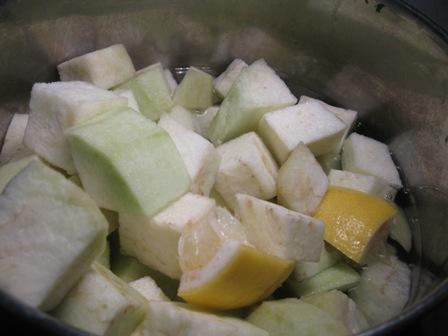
(362, 55)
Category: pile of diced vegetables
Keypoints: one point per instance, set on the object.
(132, 204)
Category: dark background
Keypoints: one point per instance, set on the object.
(437, 10)
(434, 323)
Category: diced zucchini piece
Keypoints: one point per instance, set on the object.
(340, 307)
(104, 258)
(329, 161)
(224, 82)
(127, 93)
(290, 317)
(383, 290)
(172, 84)
(195, 91)
(365, 183)
(151, 91)
(316, 127)
(11, 169)
(102, 304)
(256, 91)
(304, 270)
(13, 147)
(50, 233)
(276, 230)
(104, 68)
(246, 167)
(399, 229)
(184, 117)
(301, 182)
(348, 117)
(368, 156)
(154, 240)
(204, 120)
(127, 163)
(340, 276)
(200, 156)
(58, 106)
(148, 288)
(177, 319)
(111, 216)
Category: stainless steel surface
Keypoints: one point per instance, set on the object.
(357, 54)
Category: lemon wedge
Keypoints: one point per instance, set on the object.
(353, 220)
(221, 270)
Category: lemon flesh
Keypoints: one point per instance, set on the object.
(352, 220)
(237, 276)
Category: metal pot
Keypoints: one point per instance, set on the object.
(384, 60)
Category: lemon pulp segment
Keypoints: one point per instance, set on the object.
(352, 219)
(237, 276)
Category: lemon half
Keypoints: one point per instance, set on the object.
(237, 276)
(353, 220)
(220, 269)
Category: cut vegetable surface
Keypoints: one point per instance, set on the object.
(290, 317)
(11, 169)
(348, 117)
(205, 118)
(353, 220)
(224, 82)
(400, 230)
(365, 183)
(42, 212)
(185, 117)
(340, 276)
(54, 107)
(368, 156)
(154, 240)
(276, 230)
(102, 304)
(246, 167)
(256, 91)
(104, 68)
(383, 290)
(301, 182)
(148, 288)
(13, 147)
(176, 319)
(127, 93)
(315, 126)
(127, 163)
(200, 157)
(341, 307)
(195, 91)
(304, 270)
(172, 84)
(152, 92)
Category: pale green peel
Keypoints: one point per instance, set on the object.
(195, 91)
(256, 91)
(102, 304)
(152, 92)
(290, 317)
(340, 276)
(127, 163)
